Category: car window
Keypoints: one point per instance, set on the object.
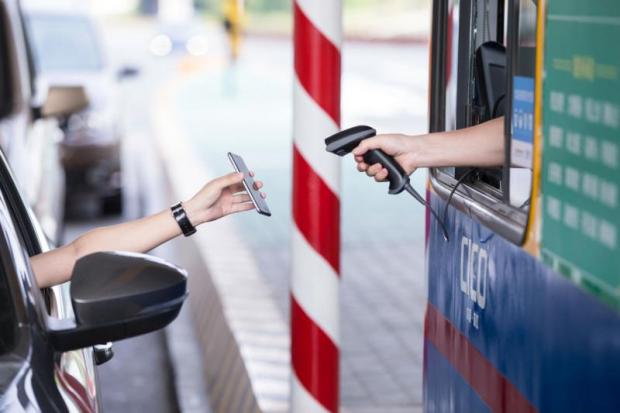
(8, 323)
(53, 35)
(474, 30)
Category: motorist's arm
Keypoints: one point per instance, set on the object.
(480, 145)
(218, 198)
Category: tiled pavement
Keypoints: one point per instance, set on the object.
(382, 321)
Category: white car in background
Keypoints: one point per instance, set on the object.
(69, 51)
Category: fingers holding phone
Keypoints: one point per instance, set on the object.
(251, 187)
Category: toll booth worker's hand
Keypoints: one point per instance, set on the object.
(402, 147)
(220, 197)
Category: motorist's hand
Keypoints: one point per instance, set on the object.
(401, 147)
(223, 196)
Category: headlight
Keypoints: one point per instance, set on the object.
(161, 45)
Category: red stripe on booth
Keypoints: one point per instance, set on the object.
(497, 392)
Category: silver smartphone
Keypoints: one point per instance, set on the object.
(248, 183)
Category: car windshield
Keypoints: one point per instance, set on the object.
(64, 43)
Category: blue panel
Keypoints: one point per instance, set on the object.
(559, 346)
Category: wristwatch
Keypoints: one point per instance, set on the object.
(181, 217)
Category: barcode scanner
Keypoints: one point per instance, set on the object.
(343, 142)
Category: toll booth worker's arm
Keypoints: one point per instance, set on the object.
(218, 198)
(481, 145)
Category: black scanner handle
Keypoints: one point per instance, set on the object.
(396, 174)
(345, 141)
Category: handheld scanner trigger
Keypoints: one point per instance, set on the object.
(346, 140)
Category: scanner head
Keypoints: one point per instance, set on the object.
(346, 140)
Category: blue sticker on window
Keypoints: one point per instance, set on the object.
(523, 109)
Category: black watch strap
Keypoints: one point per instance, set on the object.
(181, 217)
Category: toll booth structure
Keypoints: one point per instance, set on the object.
(523, 309)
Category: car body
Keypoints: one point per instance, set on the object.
(69, 51)
(29, 141)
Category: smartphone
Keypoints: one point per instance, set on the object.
(248, 183)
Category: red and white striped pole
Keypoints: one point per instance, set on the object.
(316, 208)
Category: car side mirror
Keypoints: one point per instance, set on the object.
(127, 72)
(64, 101)
(117, 295)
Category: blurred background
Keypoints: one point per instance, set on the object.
(212, 76)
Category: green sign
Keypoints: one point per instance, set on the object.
(581, 149)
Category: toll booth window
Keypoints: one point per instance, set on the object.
(475, 74)
(467, 27)
(486, 65)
